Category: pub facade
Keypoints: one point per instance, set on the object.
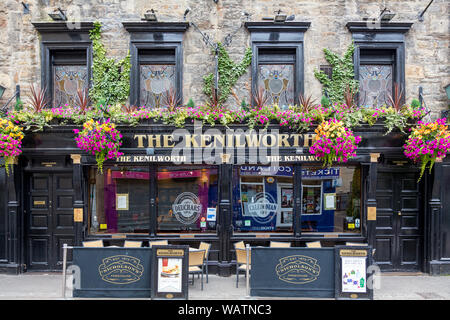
(225, 184)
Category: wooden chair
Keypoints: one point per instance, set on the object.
(196, 263)
(239, 245)
(275, 244)
(205, 246)
(241, 262)
(355, 244)
(315, 244)
(93, 244)
(132, 244)
(158, 243)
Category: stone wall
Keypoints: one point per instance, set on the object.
(427, 43)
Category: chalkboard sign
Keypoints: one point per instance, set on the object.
(113, 272)
(353, 278)
(170, 272)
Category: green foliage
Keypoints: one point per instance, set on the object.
(18, 105)
(244, 105)
(415, 103)
(324, 101)
(111, 79)
(190, 103)
(343, 75)
(229, 73)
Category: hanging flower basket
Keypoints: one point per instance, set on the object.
(11, 137)
(100, 139)
(334, 142)
(427, 143)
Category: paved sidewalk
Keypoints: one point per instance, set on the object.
(48, 286)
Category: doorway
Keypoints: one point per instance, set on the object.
(399, 227)
(48, 220)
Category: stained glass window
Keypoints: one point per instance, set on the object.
(375, 84)
(277, 80)
(66, 81)
(156, 81)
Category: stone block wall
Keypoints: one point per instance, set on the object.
(427, 43)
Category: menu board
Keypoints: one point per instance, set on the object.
(170, 277)
(354, 266)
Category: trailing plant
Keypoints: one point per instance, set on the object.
(229, 73)
(342, 74)
(11, 137)
(111, 79)
(100, 139)
(427, 143)
(334, 142)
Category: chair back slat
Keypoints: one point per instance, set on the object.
(158, 243)
(275, 244)
(93, 244)
(132, 244)
(196, 258)
(241, 256)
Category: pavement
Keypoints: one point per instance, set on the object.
(48, 286)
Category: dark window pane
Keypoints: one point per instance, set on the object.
(119, 200)
(156, 81)
(187, 199)
(375, 84)
(66, 81)
(277, 80)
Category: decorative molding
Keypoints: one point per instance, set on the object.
(277, 27)
(76, 158)
(148, 26)
(367, 26)
(66, 26)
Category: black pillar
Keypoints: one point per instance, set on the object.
(80, 216)
(371, 201)
(224, 226)
(297, 200)
(14, 219)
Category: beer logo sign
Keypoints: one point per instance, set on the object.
(298, 269)
(187, 208)
(262, 207)
(121, 269)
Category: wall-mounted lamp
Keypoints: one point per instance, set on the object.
(58, 15)
(386, 15)
(186, 13)
(280, 17)
(150, 15)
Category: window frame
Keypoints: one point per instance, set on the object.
(269, 35)
(56, 36)
(155, 36)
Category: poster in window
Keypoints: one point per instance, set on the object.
(286, 197)
(354, 274)
(169, 275)
(122, 201)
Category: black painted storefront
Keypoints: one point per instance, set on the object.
(50, 181)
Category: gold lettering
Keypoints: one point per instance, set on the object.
(283, 140)
(219, 138)
(273, 140)
(253, 140)
(154, 138)
(296, 137)
(230, 140)
(239, 140)
(190, 140)
(205, 138)
(167, 139)
(140, 138)
(308, 139)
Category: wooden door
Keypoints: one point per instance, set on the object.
(399, 228)
(49, 219)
